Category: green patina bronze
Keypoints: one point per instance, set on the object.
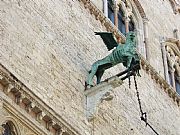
(123, 53)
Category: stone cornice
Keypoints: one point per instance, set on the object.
(144, 63)
(33, 103)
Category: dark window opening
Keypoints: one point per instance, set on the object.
(131, 25)
(121, 24)
(110, 11)
(177, 86)
(170, 78)
(8, 129)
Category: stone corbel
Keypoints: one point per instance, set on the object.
(4, 81)
(62, 131)
(40, 116)
(51, 124)
(99, 93)
(10, 88)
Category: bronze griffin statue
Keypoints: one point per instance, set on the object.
(123, 53)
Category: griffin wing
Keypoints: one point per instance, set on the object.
(108, 39)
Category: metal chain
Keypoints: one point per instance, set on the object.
(143, 114)
(129, 78)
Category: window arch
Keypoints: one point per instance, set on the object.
(131, 17)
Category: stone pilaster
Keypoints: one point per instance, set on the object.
(116, 9)
(105, 8)
(165, 62)
(172, 70)
(127, 24)
(146, 40)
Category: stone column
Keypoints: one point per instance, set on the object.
(172, 70)
(146, 40)
(127, 24)
(116, 9)
(105, 8)
(165, 62)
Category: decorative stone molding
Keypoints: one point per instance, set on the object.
(41, 111)
(175, 5)
(99, 93)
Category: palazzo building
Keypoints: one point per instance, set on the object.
(47, 48)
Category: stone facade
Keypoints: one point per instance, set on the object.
(46, 50)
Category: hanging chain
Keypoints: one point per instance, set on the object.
(129, 78)
(143, 114)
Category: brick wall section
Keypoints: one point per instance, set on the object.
(50, 45)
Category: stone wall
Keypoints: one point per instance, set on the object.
(50, 45)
